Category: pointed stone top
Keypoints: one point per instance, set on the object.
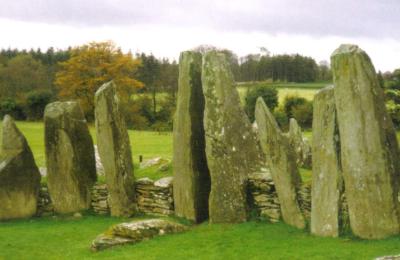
(13, 139)
(347, 49)
(294, 128)
(108, 88)
(263, 111)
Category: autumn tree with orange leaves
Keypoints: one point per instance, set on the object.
(92, 65)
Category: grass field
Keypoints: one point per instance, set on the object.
(146, 143)
(306, 90)
(64, 237)
(68, 238)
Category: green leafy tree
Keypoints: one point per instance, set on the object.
(149, 74)
(20, 75)
(269, 95)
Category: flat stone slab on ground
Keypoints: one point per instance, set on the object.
(135, 232)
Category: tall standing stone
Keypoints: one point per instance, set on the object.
(369, 148)
(115, 151)
(71, 167)
(327, 181)
(299, 144)
(281, 158)
(19, 175)
(231, 146)
(191, 175)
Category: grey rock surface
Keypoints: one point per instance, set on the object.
(191, 174)
(327, 185)
(115, 151)
(231, 145)
(369, 148)
(71, 169)
(281, 159)
(19, 175)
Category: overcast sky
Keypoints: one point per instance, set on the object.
(166, 27)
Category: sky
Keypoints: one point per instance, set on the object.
(166, 27)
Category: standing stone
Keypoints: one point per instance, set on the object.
(191, 175)
(299, 144)
(115, 151)
(282, 161)
(71, 168)
(369, 148)
(19, 175)
(231, 146)
(327, 185)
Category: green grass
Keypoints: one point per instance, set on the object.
(67, 238)
(306, 90)
(146, 143)
(309, 85)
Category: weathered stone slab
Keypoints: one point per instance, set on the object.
(191, 175)
(231, 146)
(71, 167)
(282, 161)
(369, 148)
(327, 186)
(300, 144)
(115, 151)
(19, 175)
(135, 232)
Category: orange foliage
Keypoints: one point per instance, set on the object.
(92, 65)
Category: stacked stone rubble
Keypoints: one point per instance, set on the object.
(304, 194)
(155, 197)
(263, 196)
(44, 206)
(99, 199)
(265, 200)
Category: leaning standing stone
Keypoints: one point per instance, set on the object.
(282, 161)
(369, 148)
(19, 175)
(191, 175)
(231, 146)
(327, 186)
(115, 151)
(299, 144)
(71, 168)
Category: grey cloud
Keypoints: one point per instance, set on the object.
(369, 18)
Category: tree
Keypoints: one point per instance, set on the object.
(269, 95)
(92, 65)
(22, 74)
(149, 74)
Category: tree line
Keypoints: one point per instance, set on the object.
(281, 68)
(147, 85)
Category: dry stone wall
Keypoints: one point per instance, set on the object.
(153, 197)
(264, 199)
(156, 197)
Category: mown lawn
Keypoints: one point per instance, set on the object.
(146, 143)
(67, 238)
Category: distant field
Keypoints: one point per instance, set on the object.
(146, 143)
(306, 90)
(310, 85)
